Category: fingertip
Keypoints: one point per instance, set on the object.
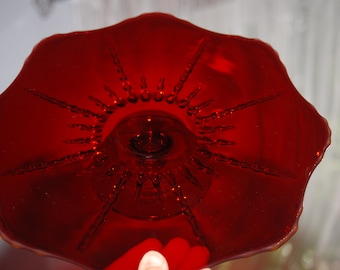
(197, 257)
(175, 251)
(153, 260)
(130, 260)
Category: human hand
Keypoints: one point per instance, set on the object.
(151, 255)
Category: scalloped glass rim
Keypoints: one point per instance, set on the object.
(183, 102)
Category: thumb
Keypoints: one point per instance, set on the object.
(153, 260)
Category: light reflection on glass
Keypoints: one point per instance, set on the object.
(305, 33)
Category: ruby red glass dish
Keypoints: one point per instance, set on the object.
(154, 128)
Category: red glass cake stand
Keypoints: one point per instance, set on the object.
(154, 129)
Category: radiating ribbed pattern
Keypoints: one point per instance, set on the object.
(307, 37)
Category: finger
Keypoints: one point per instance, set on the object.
(131, 259)
(175, 251)
(153, 260)
(196, 258)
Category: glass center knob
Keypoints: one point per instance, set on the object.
(150, 173)
(150, 144)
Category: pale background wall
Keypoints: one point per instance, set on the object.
(304, 32)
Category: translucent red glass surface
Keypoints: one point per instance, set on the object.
(154, 128)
